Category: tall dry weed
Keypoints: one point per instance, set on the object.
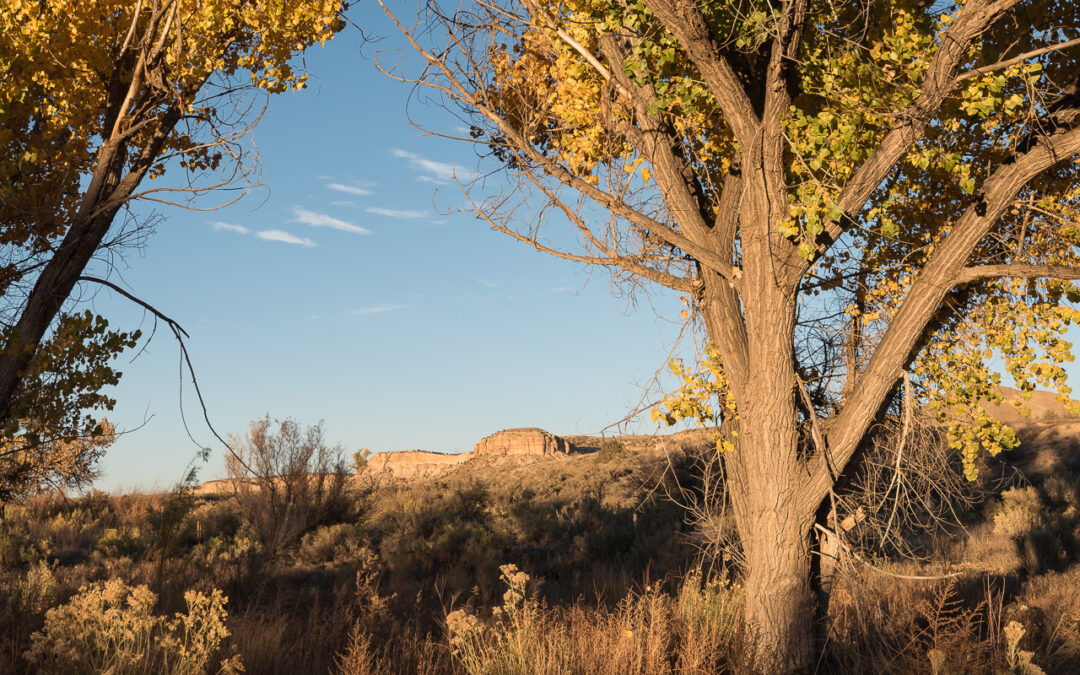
(647, 633)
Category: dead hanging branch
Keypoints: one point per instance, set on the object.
(906, 485)
(185, 360)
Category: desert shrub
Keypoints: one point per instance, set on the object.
(226, 559)
(1049, 609)
(440, 531)
(1017, 512)
(1018, 660)
(112, 628)
(38, 589)
(120, 543)
(360, 460)
(610, 450)
(211, 519)
(358, 657)
(519, 638)
(1043, 530)
(71, 531)
(1063, 491)
(18, 550)
(285, 481)
(331, 543)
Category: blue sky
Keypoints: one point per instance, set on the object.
(343, 292)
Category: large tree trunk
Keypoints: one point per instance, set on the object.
(775, 530)
(779, 604)
(765, 474)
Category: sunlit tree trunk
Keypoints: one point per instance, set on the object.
(765, 472)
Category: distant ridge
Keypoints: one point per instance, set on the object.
(1044, 406)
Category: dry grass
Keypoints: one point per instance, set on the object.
(416, 580)
(692, 631)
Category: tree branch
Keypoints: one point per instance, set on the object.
(1016, 271)
(657, 144)
(179, 333)
(172, 323)
(1016, 59)
(610, 260)
(972, 20)
(684, 21)
(457, 90)
(944, 270)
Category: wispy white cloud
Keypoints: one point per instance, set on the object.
(346, 205)
(400, 214)
(487, 284)
(283, 237)
(316, 219)
(349, 189)
(228, 227)
(434, 172)
(377, 309)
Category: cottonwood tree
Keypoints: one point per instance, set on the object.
(844, 191)
(96, 96)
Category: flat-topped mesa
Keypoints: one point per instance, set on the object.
(518, 442)
(413, 463)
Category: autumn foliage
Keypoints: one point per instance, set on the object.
(96, 97)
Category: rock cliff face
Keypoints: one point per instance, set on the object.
(411, 464)
(522, 442)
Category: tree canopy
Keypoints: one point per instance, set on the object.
(96, 96)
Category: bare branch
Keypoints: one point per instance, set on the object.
(1016, 59)
(175, 325)
(179, 333)
(669, 280)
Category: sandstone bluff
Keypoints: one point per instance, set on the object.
(516, 445)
